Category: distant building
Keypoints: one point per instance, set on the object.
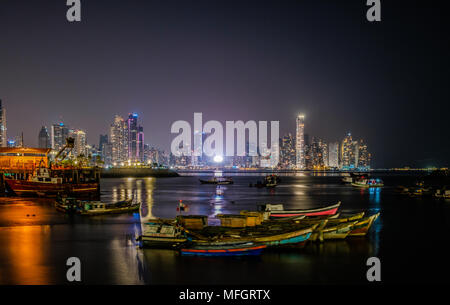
(106, 154)
(119, 140)
(3, 138)
(364, 156)
(59, 134)
(103, 140)
(287, 147)
(80, 143)
(44, 138)
(135, 139)
(333, 154)
(347, 153)
(300, 142)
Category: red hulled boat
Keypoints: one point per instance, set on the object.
(277, 210)
(42, 184)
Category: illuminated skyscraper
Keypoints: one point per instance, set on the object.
(135, 139)
(364, 156)
(44, 138)
(347, 153)
(80, 143)
(3, 139)
(59, 134)
(300, 142)
(287, 152)
(119, 140)
(333, 155)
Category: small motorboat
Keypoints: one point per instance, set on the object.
(277, 210)
(442, 194)
(352, 177)
(270, 181)
(364, 182)
(74, 206)
(236, 248)
(217, 180)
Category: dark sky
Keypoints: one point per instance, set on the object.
(386, 82)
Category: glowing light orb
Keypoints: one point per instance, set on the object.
(218, 159)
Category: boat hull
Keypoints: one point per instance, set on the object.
(330, 210)
(224, 249)
(162, 243)
(362, 227)
(24, 188)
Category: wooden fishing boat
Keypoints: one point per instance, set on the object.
(162, 234)
(217, 180)
(74, 206)
(333, 231)
(362, 226)
(290, 238)
(223, 249)
(279, 211)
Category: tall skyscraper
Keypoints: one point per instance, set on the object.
(119, 140)
(59, 134)
(135, 139)
(287, 152)
(103, 140)
(333, 154)
(300, 142)
(3, 138)
(80, 143)
(44, 138)
(347, 152)
(364, 156)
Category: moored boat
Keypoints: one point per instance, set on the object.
(43, 184)
(160, 234)
(217, 180)
(279, 211)
(364, 182)
(363, 225)
(72, 205)
(223, 249)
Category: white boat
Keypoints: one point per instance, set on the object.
(372, 182)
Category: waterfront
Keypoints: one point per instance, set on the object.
(409, 237)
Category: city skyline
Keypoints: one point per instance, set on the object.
(240, 67)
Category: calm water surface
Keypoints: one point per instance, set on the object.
(410, 237)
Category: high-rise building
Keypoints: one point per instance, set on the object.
(44, 138)
(3, 138)
(333, 154)
(135, 139)
(59, 134)
(347, 153)
(287, 152)
(300, 142)
(80, 143)
(103, 140)
(364, 156)
(119, 140)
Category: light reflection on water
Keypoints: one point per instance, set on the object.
(34, 248)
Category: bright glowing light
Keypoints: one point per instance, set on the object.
(218, 159)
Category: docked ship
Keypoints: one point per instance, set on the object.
(42, 184)
(27, 172)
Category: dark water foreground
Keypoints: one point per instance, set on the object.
(410, 237)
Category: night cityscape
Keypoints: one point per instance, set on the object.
(218, 151)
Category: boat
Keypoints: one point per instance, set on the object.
(351, 177)
(333, 231)
(162, 234)
(43, 184)
(217, 180)
(442, 194)
(270, 181)
(74, 206)
(277, 210)
(364, 182)
(291, 238)
(237, 248)
(363, 225)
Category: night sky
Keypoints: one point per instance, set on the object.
(386, 82)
